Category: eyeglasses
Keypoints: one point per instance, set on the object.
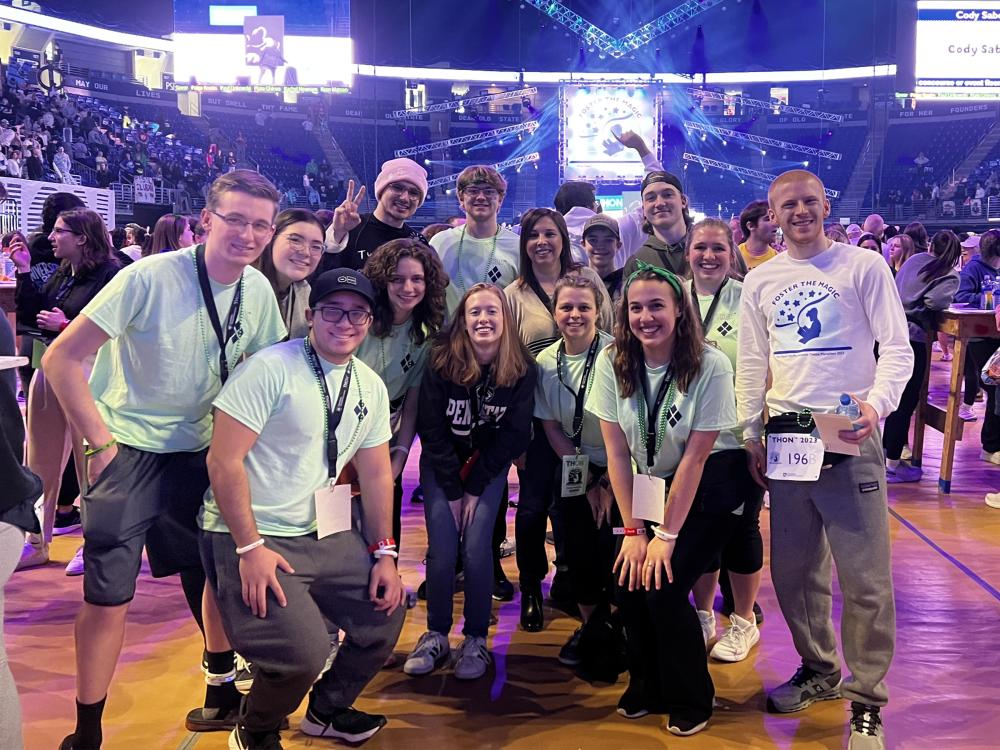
(398, 187)
(301, 245)
(60, 230)
(474, 192)
(336, 314)
(234, 221)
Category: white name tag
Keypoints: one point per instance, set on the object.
(793, 457)
(574, 475)
(333, 509)
(649, 493)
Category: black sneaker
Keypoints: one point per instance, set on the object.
(805, 688)
(503, 590)
(243, 739)
(244, 675)
(69, 743)
(685, 727)
(417, 496)
(758, 613)
(346, 724)
(866, 728)
(422, 591)
(569, 654)
(67, 522)
(632, 705)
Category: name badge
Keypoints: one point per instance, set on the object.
(333, 509)
(649, 494)
(574, 475)
(793, 457)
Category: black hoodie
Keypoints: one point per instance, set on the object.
(450, 432)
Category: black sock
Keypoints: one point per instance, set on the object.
(224, 696)
(88, 725)
(193, 583)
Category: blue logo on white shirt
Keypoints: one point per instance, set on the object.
(806, 319)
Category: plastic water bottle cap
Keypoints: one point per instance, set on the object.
(844, 399)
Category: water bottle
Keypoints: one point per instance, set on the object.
(986, 296)
(848, 407)
(8, 272)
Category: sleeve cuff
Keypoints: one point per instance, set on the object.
(651, 164)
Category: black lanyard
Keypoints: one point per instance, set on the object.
(651, 420)
(335, 412)
(706, 319)
(581, 395)
(477, 408)
(232, 320)
(543, 297)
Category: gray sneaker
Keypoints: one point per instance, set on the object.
(866, 728)
(805, 688)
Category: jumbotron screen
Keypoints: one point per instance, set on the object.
(275, 45)
(958, 49)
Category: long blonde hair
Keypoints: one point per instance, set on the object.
(453, 357)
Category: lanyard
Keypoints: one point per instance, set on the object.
(477, 408)
(334, 412)
(581, 395)
(707, 318)
(232, 320)
(649, 432)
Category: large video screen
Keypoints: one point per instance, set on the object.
(593, 117)
(271, 45)
(958, 49)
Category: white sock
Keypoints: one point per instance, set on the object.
(891, 463)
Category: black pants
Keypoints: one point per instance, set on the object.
(666, 650)
(897, 424)
(589, 551)
(979, 354)
(534, 499)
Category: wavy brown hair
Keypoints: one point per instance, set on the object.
(688, 340)
(88, 224)
(428, 315)
(288, 217)
(454, 359)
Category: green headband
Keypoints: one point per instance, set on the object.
(668, 276)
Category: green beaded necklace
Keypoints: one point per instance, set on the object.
(201, 323)
(459, 277)
(310, 355)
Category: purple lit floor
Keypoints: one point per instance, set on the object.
(946, 555)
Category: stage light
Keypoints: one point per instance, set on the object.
(763, 152)
(427, 162)
(805, 163)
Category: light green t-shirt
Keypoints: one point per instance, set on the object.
(722, 330)
(397, 360)
(554, 401)
(154, 381)
(276, 395)
(709, 404)
(467, 261)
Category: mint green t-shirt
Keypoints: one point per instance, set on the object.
(154, 381)
(469, 261)
(396, 359)
(721, 333)
(275, 394)
(553, 400)
(709, 404)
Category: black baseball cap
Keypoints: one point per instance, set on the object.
(341, 280)
(602, 220)
(659, 176)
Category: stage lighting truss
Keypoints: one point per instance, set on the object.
(602, 41)
(402, 114)
(746, 172)
(768, 106)
(523, 127)
(499, 167)
(761, 140)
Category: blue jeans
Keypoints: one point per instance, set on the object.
(442, 552)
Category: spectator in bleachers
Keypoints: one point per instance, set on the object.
(400, 189)
(62, 164)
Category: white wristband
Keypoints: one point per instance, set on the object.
(403, 448)
(252, 545)
(662, 533)
(385, 552)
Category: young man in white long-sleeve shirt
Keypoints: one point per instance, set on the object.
(814, 318)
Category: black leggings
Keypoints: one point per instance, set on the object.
(897, 424)
(534, 499)
(979, 354)
(589, 551)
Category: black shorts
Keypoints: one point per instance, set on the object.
(141, 498)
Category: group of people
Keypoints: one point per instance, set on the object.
(248, 404)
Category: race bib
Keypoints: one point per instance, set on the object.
(648, 497)
(794, 457)
(574, 475)
(333, 509)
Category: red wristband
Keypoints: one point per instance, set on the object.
(625, 531)
(388, 543)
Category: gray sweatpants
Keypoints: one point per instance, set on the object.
(290, 646)
(844, 516)
(11, 544)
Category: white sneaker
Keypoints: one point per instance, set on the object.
(707, 620)
(993, 458)
(75, 566)
(431, 652)
(472, 659)
(993, 499)
(741, 636)
(966, 414)
(35, 553)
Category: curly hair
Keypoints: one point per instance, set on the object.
(688, 340)
(380, 267)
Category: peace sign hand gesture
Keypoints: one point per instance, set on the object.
(346, 217)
